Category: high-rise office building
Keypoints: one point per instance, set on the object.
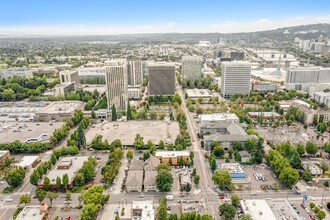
(116, 81)
(236, 55)
(235, 78)
(191, 67)
(161, 79)
(135, 73)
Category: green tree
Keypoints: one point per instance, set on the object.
(129, 112)
(53, 159)
(117, 217)
(311, 148)
(326, 183)
(161, 145)
(24, 199)
(289, 176)
(51, 196)
(113, 113)
(164, 181)
(41, 194)
(230, 151)
(321, 214)
(196, 179)
(164, 166)
(214, 144)
(246, 217)
(65, 180)
(68, 196)
(238, 146)
(88, 212)
(326, 147)
(235, 200)
(34, 177)
(58, 182)
(307, 175)
(81, 139)
(138, 144)
(79, 179)
(300, 149)
(47, 183)
(218, 151)
(162, 209)
(222, 178)
(15, 176)
(93, 114)
(153, 115)
(93, 195)
(129, 155)
(227, 210)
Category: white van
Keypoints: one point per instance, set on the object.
(169, 198)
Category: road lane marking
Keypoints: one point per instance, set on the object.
(3, 213)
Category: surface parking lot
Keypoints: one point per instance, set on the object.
(265, 174)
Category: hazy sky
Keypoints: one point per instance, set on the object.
(73, 17)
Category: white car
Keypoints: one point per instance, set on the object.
(307, 210)
(311, 198)
(9, 200)
(67, 202)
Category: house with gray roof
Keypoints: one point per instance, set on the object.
(151, 164)
(136, 165)
(134, 181)
(150, 181)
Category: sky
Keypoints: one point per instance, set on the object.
(103, 17)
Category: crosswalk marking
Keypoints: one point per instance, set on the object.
(8, 207)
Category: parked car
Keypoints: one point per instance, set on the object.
(221, 197)
(312, 216)
(307, 210)
(303, 206)
(311, 198)
(179, 201)
(67, 202)
(9, 200)
(320, 206)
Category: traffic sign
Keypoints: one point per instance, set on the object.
(305, 197)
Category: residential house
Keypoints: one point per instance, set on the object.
(150, 181)
(134, 181)
(151, 164)
(136, 165)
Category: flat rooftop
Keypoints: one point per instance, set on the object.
(199, 93)
(77, 163)
(269, 209)
(127, 130)
(27, 161)
(232, 168)
(301, 102)
(91, 87)
(21, 131)
(147, 207)
(266, 114)
(30, 213)
(61, 107)
(171, 154)
(218, 117)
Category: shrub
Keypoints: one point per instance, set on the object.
(17, 211)
(312, 205)
(79, 206)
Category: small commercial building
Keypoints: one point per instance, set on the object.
(28, 162)
(103, 113)
(269, 209)
(218, 118)
(313, 167)
(134, 92)
(33, 212)
(226, 136)
(143, 210)
(65, 165)
(222, 128)
(259, 86)
(266, 115)
(134, 181)
(235, 169)
(197, 93)
(245, 156)
(58, 110)
(173, 156)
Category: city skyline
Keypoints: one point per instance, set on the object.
(83, 18)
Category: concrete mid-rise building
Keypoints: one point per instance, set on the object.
(116, 81)
(191, 67)
(21, 72)
(135, 73)
(161, 79)
(91, 73)
(308, 75)
(70, 76)
(258, 86)
(235, 78)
